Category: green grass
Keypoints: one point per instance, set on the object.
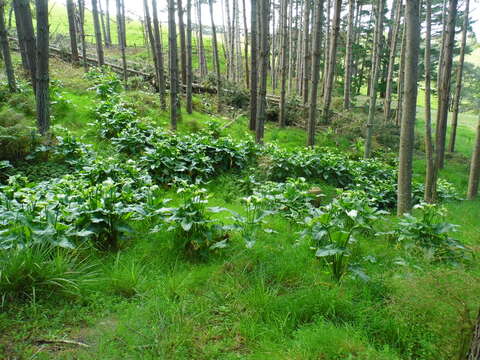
(274, 301)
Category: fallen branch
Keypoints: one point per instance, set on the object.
(62, 341)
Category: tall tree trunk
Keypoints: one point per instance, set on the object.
(291, 44)
(202, 58)
(254, 66)
(189, 57)
(107, 19)
(317, 43)
(283, 64)
(216, 59)
(263, 70)
(245, 32)
(102, 23)
(29, 38)
(429, 176)
(122, 38)
(12, 85)
(443, 34)
(183, 47)
(98, 34)
(72, 30)
(172, 57)
(458, 88)
(474, 176)
(42, 96)
(273, 48)
(391, 61)
(81, 10)
(332, 53)
(347, 83)
(151, 39)
(374, 77)
(159, 55)
(444, 87)
(22, 44)
(401, 77)
(306, 50)
(407, 134)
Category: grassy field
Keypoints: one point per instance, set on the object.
(273, 301)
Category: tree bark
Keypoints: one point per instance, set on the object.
(122, 38)
(98, 34)
(474, 175)
(283, 65)
(317, 42)
(374, 77)
(444, 87)
(172, 56)
(263, 59)
(401, 77)
(429, 176)
(21, 36)
(306, 51)
(245, 30)
(107, 19)
(29, 38)
(332, 53)
(347, 85)
(102, 23)
(216, 59)
(81, 10)
(201, 58)
(159, 55)
(42, 96)
(458, 87)
(151, 38)
(407, 134)
(189, 57)
(391, 61)
(254, 66)
(12, 85)
(72, 30)
(183, 47)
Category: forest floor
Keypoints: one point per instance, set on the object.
(274, 300)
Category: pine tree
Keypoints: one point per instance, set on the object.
(317, 41)
(254, 66)
(172, 63)
(98, 33)
(283, 64)
(72, 30)
(42, 94)
(189, 57)
(264, 56)
(430, 176)
(407, 133)
(458, 87)
(12, 85)
(374, 76)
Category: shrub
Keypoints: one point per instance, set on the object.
(195, 230)
(105, 215)
(332, 228)
(18, 135)
(294, 111)
(235, 96)
(429, 233)
(293, 198)
(252, 222)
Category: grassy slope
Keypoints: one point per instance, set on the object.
(273, 301)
